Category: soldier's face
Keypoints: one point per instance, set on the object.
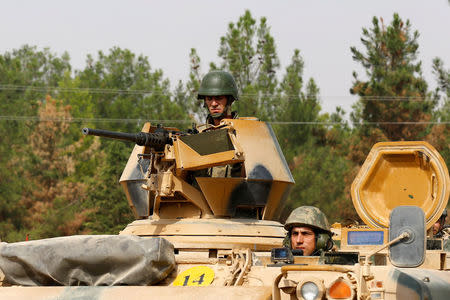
(436, 227)
(216, 104)
(303, 238)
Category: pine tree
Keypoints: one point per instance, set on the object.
(297, 104)
(394, 93)
(440, 133)
(193, 105)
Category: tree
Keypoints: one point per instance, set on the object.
(439, 135)
(395, 92)
(296, 105)
(25, 75)
(189, 96)
(125, 87)
(248, 51)
(443, 89)
(51, 199)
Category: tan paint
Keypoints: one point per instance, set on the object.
(407, 173)
(192, 194)
(188, 159)
(227, 227)
(259, 148)
(217, 192)
(274, 203)
(344, 242)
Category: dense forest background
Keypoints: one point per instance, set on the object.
(55, 182)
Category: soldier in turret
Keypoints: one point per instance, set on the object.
(218, 90)
(442, 231)
(439, 228)
(308, 231)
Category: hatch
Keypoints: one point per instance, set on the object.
(401, 173)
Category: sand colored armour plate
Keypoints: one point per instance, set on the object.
(401, 173)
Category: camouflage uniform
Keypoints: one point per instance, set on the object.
(228, 170)
(444, 232)
(220, 83)
(445, 235)
(314, 218)
(210, 119)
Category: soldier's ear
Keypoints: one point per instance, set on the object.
(324, 242)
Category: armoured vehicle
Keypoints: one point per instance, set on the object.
(206, 207)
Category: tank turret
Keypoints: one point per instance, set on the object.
(235, 173)
(178, 185)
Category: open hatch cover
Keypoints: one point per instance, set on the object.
(401, 173)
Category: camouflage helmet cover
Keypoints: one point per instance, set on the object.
(218, 83)
(307, 216)
(443, 216)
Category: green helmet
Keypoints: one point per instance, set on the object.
(218, 83)
(307, 216)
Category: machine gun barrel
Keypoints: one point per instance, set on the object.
(156, 140)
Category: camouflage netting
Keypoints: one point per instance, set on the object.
(87, 260)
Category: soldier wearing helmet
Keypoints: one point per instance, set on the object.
(439, 228)
(218, 90)
(308, 230)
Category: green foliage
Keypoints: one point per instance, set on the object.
(296, 105)
(439, 134)
(69, 182)
(24, 69)
(394, 90)
(191, 103)
(443, 89)
(319, 173)
(110, 210)
(124, 73)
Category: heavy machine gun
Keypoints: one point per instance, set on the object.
(156, 140)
